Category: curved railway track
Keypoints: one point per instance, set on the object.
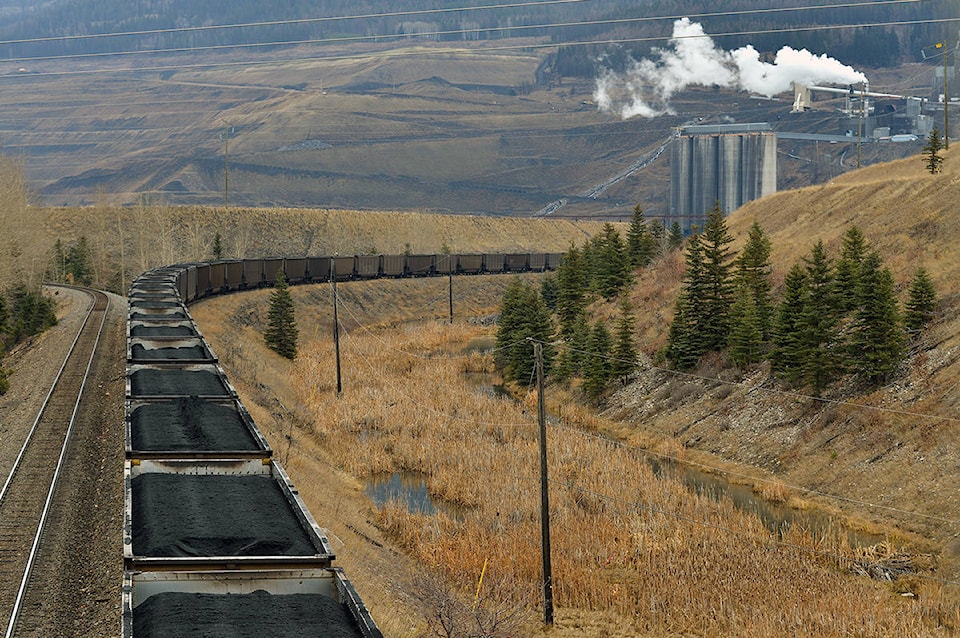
(27, 498)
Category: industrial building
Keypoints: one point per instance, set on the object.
(726, 164)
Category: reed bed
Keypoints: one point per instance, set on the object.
(625, 540)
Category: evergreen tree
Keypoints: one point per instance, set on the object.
(548, 290)
(746, 334)
(658, 233)
(685, 340)
(572, 285)
(675, 238)
(570, 361)
(877, 339)
(753, 272)
(717, 289)
(931, 152)
(921, 303)
(624, 350)
(30, 313)
(217, 247)
(789, 354)
(597, 367)
(641, 246)
(611, 266)
(852, 252)
(821, 339)
(79, 262)
(524, 318)
(281, 334)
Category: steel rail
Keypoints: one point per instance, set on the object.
(34, 550)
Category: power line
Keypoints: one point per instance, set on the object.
(462, 49)
(297, 21)
(368, 16)
(431, 34)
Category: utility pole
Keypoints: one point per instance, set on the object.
(336, 321)
(946, 102)
(863, 88)
(544, 492)
(450, 294)
(226, 167)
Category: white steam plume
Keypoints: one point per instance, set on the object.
(692, 58)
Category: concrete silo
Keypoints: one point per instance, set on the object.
(730, 164)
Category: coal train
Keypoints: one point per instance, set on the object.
(199, 280)
(217, 540)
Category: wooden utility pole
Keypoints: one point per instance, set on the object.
(450, 291)
(226, 167)
(544, 492)
(336, 321)
(946, 102)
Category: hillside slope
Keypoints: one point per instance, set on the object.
(887, 454)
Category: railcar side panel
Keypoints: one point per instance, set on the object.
(421, 265)
(494, 262)
(252, 273)
(393, 265)
(368, 266)
(295, 269)
(318, 268)
(271, 267)
(470, 264)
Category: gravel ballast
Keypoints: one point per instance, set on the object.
(214, 515)
(254, 615)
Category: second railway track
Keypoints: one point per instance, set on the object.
(27, 496)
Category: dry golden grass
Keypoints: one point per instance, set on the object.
(624, 541)
(129, 240)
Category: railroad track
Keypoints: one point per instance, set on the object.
(27, 495)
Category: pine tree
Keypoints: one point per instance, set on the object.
(281, 334)
(788, 354)
(658, 233)
(931, 152)
(820, 336)
(753, 272)
(641, 246)
(852, 252)
(524, 318)
(79, 262)
(718, 288)
(685, 340)
(572, 285)
(921, 303)
(611, 265)
(675, 237)
(746, 335)
(570, 360)
(597, 367)
(217, 247)
(624, 350)
(876, 339)
(548, 290)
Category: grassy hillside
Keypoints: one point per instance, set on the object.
(891, 451)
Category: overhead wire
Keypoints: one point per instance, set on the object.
(488, 49)
(431, 34)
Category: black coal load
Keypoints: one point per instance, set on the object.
(190, 423)
(180, 515)
(179, 353)
(254, 615)
(161, 330)
(174, 382)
